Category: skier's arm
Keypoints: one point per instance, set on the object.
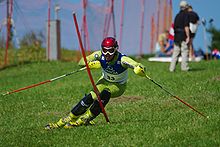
(92, 59)
(138, 68)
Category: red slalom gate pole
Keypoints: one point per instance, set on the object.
(176, 97)
(44, 82)
(121, 24)
(48, 30)
(27, 87)
(87, 67)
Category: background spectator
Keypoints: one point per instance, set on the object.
(181, 38)
(193, 26)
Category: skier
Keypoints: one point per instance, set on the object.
(111, 84)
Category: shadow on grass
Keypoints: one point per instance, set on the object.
(196, 69)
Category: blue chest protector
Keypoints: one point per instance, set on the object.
(114, 72)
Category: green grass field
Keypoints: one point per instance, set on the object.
(144, 116)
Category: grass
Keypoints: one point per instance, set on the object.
(33, 54)
(144, 116)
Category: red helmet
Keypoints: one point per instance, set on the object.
(109, 42)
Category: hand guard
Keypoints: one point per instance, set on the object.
(94, 64)
(140, 70)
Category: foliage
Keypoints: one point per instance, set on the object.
(215, 34)
(31, 53)
(34, 53)
(31, 47)
(22, 55)
(32, 39)
(147, 117)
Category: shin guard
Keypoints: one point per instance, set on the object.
(83, 105)
(95, 108)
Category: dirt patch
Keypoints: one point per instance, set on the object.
(122, 99)
(216, 78)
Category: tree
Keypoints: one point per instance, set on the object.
(32, 39)
(215, 38)
(31, 46)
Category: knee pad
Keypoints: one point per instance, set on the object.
(95, 108)
(82, 106)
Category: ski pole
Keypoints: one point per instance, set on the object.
(44, 82)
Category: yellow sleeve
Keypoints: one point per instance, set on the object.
(138, 68)
(127, 62)
(92, 57)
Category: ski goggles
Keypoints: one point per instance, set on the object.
(110, 50)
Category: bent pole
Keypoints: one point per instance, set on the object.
(88, 69)
(44, 82)
(188, 105)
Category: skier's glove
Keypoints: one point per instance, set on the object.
(140, 70)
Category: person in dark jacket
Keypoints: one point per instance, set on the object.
(181, 38)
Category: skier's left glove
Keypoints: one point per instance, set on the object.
(140, 70)
(94, 64)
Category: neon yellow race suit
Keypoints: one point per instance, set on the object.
(114, 73)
